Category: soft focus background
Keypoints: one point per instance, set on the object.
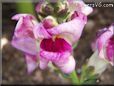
(13, 63)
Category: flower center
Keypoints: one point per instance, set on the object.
(56, 45)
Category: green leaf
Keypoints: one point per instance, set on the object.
(74, 78)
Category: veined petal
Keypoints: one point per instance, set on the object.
(67, 66)
(72, 28)
(31, 62)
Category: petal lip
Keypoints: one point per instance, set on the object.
(57, 50)
(68, 66)
(54, 56)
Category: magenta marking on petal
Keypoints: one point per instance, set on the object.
(55, 50)
(110, 49)
(59, 45)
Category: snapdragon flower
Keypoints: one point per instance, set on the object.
(48, 40)
(105, 44)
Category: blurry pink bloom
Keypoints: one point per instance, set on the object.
(51, 50)
(54, 40)
(24, 40)
(80, 6)
(105, 44)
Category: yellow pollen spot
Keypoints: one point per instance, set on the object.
(54, 37)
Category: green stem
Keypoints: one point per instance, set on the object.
(75, 45)
(74, 78)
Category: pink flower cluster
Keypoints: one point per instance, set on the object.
(48, 41)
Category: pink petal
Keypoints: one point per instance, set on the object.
(105, 44)
(23, 38)
(18, 16)
(101, 41)
(31, 62)
(25, 25)
(72, 28)
(68, 66)
(43, 63)
(25, 44)
(110, 49)
(54, 56)
(80, 6)
(40, 32)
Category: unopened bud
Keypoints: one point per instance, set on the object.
(49, 22)
(48, 9)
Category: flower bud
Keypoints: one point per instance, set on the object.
(63, 8)
(48, 9)
(49, 22)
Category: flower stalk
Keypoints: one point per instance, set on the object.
(74, 78)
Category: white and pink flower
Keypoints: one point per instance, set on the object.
(47, 40)
(105, 44)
